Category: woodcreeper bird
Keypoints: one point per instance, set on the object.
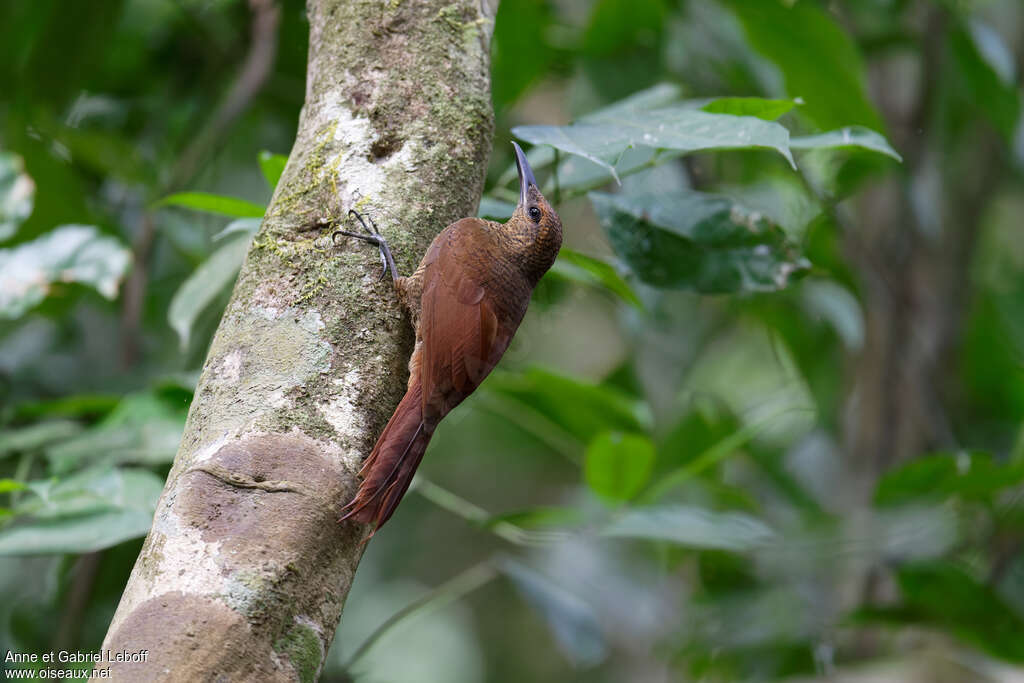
(466, 300)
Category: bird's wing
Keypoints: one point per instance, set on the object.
(463, 331)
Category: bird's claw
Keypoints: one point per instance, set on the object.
(381, 242)
(359, 217)
(372, 236)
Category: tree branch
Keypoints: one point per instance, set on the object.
(246, 569)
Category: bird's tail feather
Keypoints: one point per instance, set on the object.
(388, 471)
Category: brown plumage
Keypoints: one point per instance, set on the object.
(466, 300)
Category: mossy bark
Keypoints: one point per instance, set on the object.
(246, 569)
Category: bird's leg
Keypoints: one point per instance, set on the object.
(372, 236)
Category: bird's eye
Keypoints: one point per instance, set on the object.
(534, 213)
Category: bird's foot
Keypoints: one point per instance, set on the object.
(372, 236)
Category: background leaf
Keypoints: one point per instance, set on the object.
(515, 69)
(695, 241)
(36, 436)
(582, 410)
(272, 165)
(943, 596)
(769, 110)
(678, 128)
(618, 465)
(988, 90)
(655, 97)
(214, 203)
(89, 511)
(823, 67)
(203, 286)
(8, 485)
(971, 475)
(69, 253)
(851, 136)
(571, 620)
(142, 430)
(692, 527)
(572, 265)
(239, 226)
(17, 194)
(495, 209)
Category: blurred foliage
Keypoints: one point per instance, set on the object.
(763, 419)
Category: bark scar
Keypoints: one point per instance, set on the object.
(245, 482)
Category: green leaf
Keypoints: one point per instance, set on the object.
(83, 533)
(572, 265)
(214, 203)
(576, 174)
(906, 532)
(680, 128)
(37, 436)
(692, 527)
(201, 288)
(90, 511)
(992, 49)
(93, 489)
(710, 456)
(542, 517)
(616, 25)
(17, 194)
(975, 55)
(584, 172)
(272, 166)
(769, 110)
(707, 423)
(572, 621)
(782, 198)
(75, 406)
(142, 430)
(495, 209)
(765, 623)
(243, 226)
(8, 485)
(513, 69)
(944, 596)
(851, 136)
(819, 61)
(831, 301)
(580, 409)
(69, 253)
(618, 465)
(700, 242)
(106, 153)
(969, 475)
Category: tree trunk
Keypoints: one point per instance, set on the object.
(246, 569)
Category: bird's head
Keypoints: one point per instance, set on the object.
(533, 212)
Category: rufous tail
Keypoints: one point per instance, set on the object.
(388, 471)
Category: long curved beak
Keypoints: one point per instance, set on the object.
(525, 174)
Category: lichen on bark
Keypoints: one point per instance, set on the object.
(246, 569)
